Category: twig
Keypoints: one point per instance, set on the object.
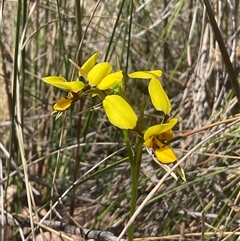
(19, 221)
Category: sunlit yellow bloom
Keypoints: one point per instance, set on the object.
(119, 112)
(159, 97)
(156, 137)
(146, 74)
(96, 75)
(74, 88)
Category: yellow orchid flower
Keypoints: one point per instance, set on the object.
(156, 137)
(96, 75)
(74, 88)
(119, 112)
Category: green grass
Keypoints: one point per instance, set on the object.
(83, 158)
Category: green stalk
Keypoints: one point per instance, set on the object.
(23, 52)
(135, 162)
(129, 34)
(134, 181)
(114, 30)
(80, 105)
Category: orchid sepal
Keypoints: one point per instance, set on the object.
(145, 74)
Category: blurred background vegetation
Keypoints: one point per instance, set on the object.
(37, 39)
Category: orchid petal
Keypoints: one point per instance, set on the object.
(166, 135)
(164, 166)
(55, 81)
(74, 86)
(110, 80)
(98, 73)
(165, 155)
(62, 104)
(158, 129)
(89, 64)
(145, 74)
(148, 143)
(119, 112)
(62, 83)
(159, 97)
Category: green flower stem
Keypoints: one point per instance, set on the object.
(138, 131)
(175, 139)
(99, 93)
(135, 163)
